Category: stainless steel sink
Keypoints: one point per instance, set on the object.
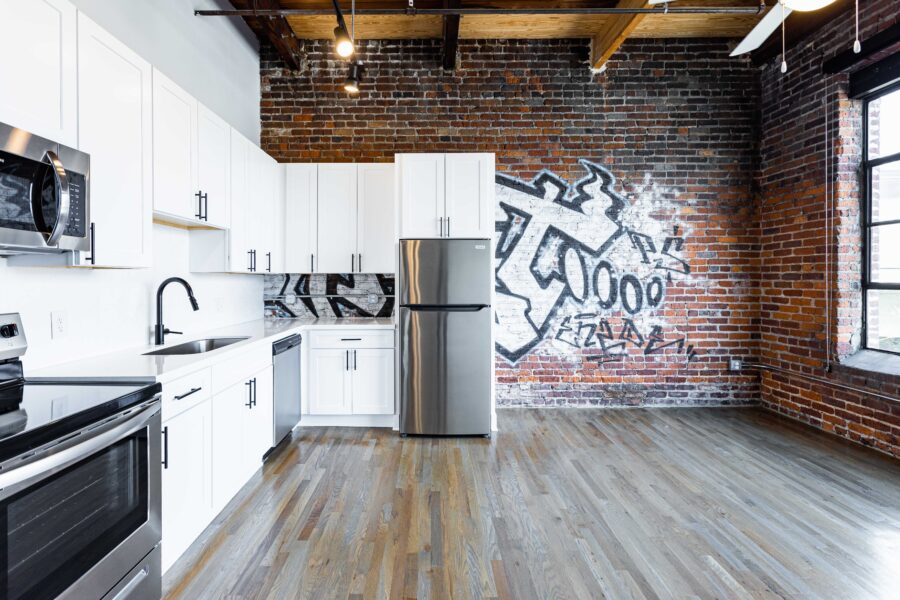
(197, 346)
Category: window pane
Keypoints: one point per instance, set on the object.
(886, 192)
(884, 125)
(885, 253)
(883, 320)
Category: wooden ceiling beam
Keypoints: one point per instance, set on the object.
(275, 30)
(450, 37)
(604, 44)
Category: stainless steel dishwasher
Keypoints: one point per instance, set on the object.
(286, 364)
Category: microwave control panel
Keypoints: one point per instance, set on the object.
(77, 226)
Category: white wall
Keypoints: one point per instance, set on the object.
(109, 309)
(216, 59)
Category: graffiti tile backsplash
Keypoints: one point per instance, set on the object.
(333, 295)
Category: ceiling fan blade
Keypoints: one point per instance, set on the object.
(762, 31)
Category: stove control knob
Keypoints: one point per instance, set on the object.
(9, 331)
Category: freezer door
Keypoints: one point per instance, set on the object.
(442, 272)
(445, 371)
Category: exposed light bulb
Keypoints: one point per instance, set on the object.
(857, 47)
(784, 66)
(343, 45)
(806, 5)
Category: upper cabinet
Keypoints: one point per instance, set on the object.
(445, 195)
(39, 70)
(337, 219)
(190, 158)
(340, 218)
(115, 128)
(174, 150)
(376, 235)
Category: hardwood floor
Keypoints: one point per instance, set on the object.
(562, 503)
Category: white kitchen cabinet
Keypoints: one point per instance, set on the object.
(420, 186)
(301, 218)
(174, 151)
(469, 195)
(39, 72)
(445, 195)
(213, 162)
(329, 382)
(337, 218)
(242, 432)
(186, 480)
(351, 373)
(238, 239)
(376, 234)
(115, 127)
(372, 381)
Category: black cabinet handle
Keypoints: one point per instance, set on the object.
(448, 226)
(185, 395)
(347, 356)
(359, 262)
(353, 263)
(269, 258)
(93, 257)
(165, 436)
(311, 267)
(199, 214)
(205, 207)
(250, 260)
(351, 339)
(354, 360)
(254, 391)
(249, 384)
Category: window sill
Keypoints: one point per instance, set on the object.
(873, 361)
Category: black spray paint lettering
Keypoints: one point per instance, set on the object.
(590, 331)
(555, 249)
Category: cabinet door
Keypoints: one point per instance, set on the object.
(186, 480)
(213, 161)
(470, 195)
(38, 70)
(174, 150)
(260, 425)
(230, 412)
(329, 382)
(421, 194)
(337, 218)
(372, 390)
(115, 127)
(239, 231)
(301, 240)
(376, 236)
(268, 241)
(278, 219)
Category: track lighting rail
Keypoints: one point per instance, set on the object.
(463, 11)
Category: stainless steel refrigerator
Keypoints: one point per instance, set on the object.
(445, 350)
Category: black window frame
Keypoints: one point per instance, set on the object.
(867, 166)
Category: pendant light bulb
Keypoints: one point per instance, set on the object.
(857, 46)
(354, 78)
(784, 66)
(343, 45)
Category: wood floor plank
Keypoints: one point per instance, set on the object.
(562, 503)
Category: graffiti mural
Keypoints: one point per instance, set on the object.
(291, 296)
(581, 266)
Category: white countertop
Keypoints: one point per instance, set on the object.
(133, 365)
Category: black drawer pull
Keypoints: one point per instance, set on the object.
(351, 339)
(185, 395)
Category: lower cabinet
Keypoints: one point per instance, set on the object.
(186, 479)
(242, 433)
(351, 377)
(211, 449)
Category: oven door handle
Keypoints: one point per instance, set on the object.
(20, 477)
(64, 202)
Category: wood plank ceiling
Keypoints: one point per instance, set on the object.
(608, 32)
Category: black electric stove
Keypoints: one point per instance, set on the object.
(80, 497)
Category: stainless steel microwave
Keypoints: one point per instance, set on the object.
(44, 195)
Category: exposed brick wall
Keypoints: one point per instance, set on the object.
(792, 178)
(674, 120)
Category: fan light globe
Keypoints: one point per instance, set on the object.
(806, 5)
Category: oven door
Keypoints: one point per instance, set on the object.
(76, 518)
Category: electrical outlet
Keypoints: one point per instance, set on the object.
(59, 324)
(735, 364)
